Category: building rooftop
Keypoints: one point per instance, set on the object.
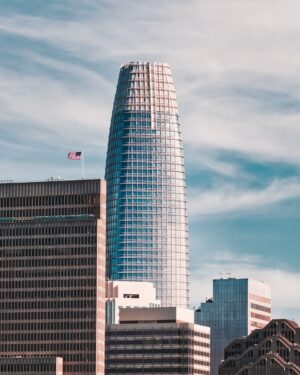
(156, 314)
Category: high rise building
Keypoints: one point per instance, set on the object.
(127, 294)
(161, 340)
(272, 350)
(238, 306)
(52, 277)
(147, 235)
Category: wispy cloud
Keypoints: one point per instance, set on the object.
(237, 91)
(205, 159)
(56, 106)
(229, 198)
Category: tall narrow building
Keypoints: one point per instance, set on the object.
(147, 235)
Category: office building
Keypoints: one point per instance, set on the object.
(157, 341)
(147, 235)
(127, 294)
(52, 276)
(272, 350)
(238, 306)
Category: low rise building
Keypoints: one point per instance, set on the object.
(272, 350)
(161, 340)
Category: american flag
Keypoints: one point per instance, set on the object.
(74, 155)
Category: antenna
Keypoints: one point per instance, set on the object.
(228, 273)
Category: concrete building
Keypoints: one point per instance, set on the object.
(52, 275)
(147, 234)
(157, 341)
(272, 350)
(238, 306)
(127, 294)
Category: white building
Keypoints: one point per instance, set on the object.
(161, 340)
(128, 294)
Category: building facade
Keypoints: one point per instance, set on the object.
(31, 366)
(272, 350)
(238, 306)
(127, 294)
(52, 274)
(157, 341)
(147, 234)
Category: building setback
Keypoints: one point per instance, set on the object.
(157, 341)
(272, 350)
(147, 235)
(127, 294)
(238, 306)
(52, 275)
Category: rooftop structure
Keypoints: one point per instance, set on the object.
(128, 294)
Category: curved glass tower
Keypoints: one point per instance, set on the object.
(147, 235)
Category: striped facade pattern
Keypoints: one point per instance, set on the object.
(52, 273)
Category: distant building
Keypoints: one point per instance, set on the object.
(272, 350)
(238, 306)
(127, 294)
(161, 340)
(52, 276)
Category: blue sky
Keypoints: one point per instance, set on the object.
(236, 71)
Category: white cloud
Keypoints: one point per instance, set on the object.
(48, 106)
(225, 57)
(208, 160)
(236, 69)
(229, 198)
(283, 282)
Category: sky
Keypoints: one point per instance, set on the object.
(236, 69)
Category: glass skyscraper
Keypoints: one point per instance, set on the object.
(147, 235)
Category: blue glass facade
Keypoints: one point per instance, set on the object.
(238, 306)
(147, 235)
(226, 314)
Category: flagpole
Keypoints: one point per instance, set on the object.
(82, 164)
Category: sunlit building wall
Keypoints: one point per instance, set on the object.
(121, 294)
(161, 340)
